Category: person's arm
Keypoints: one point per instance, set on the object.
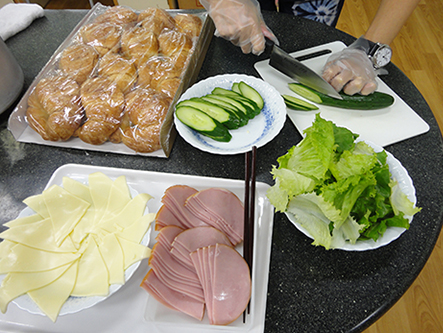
(351, 70)
(389, 19)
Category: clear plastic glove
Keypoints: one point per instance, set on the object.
(241, 22)
(351, 71)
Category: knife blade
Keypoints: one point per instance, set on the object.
(293, 68)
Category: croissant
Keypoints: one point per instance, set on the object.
(139, 44)
(54, 110)
(119, 70)
(104, 37)
(177, 46)
(146, 112)
(103, 102)
(156, 70)
(156, 20)
(190, 25)
(78, 62)
(118, 15)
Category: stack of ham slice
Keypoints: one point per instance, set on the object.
(186, 207)
(226, 282)
(194, 264)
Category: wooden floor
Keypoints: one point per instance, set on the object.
(418, 53)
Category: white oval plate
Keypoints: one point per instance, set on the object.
(400, 174)
(75, 304)
(259, 131)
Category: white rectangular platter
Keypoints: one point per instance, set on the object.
(382, 127)
(131, 309)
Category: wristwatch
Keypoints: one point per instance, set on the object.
(379, 54)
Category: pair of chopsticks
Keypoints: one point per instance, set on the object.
(249, 207)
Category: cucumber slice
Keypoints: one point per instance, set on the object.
(226, 118)
(249, 92)
(298, 104)
(374, 101)
(249, 112)
(236, 88)
(202, 123)
(229, 107)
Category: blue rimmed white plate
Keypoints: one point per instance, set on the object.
(401, 175)
(259, 131)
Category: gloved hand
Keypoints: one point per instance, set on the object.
(241, 22)
(351, 70)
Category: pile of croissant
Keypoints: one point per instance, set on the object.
(116, 81)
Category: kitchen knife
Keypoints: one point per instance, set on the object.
(293, 68)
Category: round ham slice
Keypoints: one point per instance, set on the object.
(190, 240)
(221, 209)
(226, 282)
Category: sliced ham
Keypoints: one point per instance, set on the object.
(171, 298)
(221, 209)
(165, 217)
(226, 282)
(168, 272)
(191, 239)
(167, 235)
(174, 199)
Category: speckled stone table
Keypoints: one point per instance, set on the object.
(310, 289)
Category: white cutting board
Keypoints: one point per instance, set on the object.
(382, 127)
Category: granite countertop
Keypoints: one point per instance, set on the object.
(310, 289)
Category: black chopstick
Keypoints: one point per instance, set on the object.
(249, 211)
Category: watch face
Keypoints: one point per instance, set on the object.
(383, 56)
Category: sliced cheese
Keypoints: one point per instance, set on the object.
(23, 220)
(112, 254)
(37, 204)
(118, 198)
(5, 247)
(133, 210)
(38, 235)
(80, 241)
(84, 226)
(99, 187)
(137, 230)
(92, 277)
(22, 258)
(65, 211)
(133, 252)
(17, 284)
(51, 297)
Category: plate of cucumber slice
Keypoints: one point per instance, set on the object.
(229, 114)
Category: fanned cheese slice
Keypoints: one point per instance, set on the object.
(99, 187)
(37, 204)
(23, 221)
(118, 198)
(84, 226)
(137, 230)
(38, 235)
(22, 258)
(51, 297)
(112, 254)
(65, 211)
(133, 210)
(5, 247)
(92, 277)
(133, 252)
(17, 284)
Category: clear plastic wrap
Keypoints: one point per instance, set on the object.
(114, 81)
